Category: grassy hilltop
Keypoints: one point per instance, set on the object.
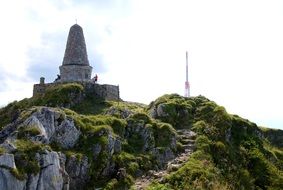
(122, 141)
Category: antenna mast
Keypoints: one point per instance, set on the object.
(187, 84)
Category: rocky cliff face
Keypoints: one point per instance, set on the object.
(178, 142)
(46, 148)
(43, 126)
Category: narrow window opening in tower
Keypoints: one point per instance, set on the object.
(86, 76)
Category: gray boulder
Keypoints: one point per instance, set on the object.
(78, 169)
(145, 133)
(163, 155)
(51, 125)
(66, 134)
(58, 127)
(33, 122)
(118, 112)
(158, 111)
(51, 174)
(7, 180)
(8, 146)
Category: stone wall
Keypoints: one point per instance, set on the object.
(39, 89)
(105, 91)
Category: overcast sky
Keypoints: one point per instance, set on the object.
(235, 49)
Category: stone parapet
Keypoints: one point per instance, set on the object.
(105, 91)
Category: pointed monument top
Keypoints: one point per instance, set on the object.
(76, 53)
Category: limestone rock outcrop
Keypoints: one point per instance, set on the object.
(51, 175)
(7, 180)
(45, 125)
(77, 169)
(139, 131)
(42, 126)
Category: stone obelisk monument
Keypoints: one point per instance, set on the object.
(75, 65)
(76, 68)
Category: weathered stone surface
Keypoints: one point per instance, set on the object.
(122, 173)
(66, 134)
(274, 136)
(51, 175)
(104, 91)
(8, 145)
(75, 65)
(228, 135)
(122, 113)
(78, 169)
(53, 126)
(110, 144)
(33, 121)
(7, 180)
(46, 119)
(160, 112)
(96, 149)
(71, 73)
(139, 128)
(32, 182)
(75, 53)
(109, 170)
(163, 155)
(117, 146)
(7, 160)
(8, 132)
(66, 178)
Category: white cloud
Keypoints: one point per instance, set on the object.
(235, 48)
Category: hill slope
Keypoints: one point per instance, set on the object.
(86, 143)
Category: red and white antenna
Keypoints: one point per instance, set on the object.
(187, 84)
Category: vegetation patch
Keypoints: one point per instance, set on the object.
(163, 133)
(231, 152)
(2, 151)
(25, 132)
(25, 159)
(176, 110)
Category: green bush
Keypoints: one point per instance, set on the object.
(163, 133)
(203, 143)
(178, 111)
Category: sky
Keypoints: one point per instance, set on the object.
(235, 49)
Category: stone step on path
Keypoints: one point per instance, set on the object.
(187, 138)
(187, 141)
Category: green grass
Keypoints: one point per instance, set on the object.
(25, 132)
(124, 183)
(178, 110)
(163, 133)
(25, 157)
(231, 152)
(2, 151)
